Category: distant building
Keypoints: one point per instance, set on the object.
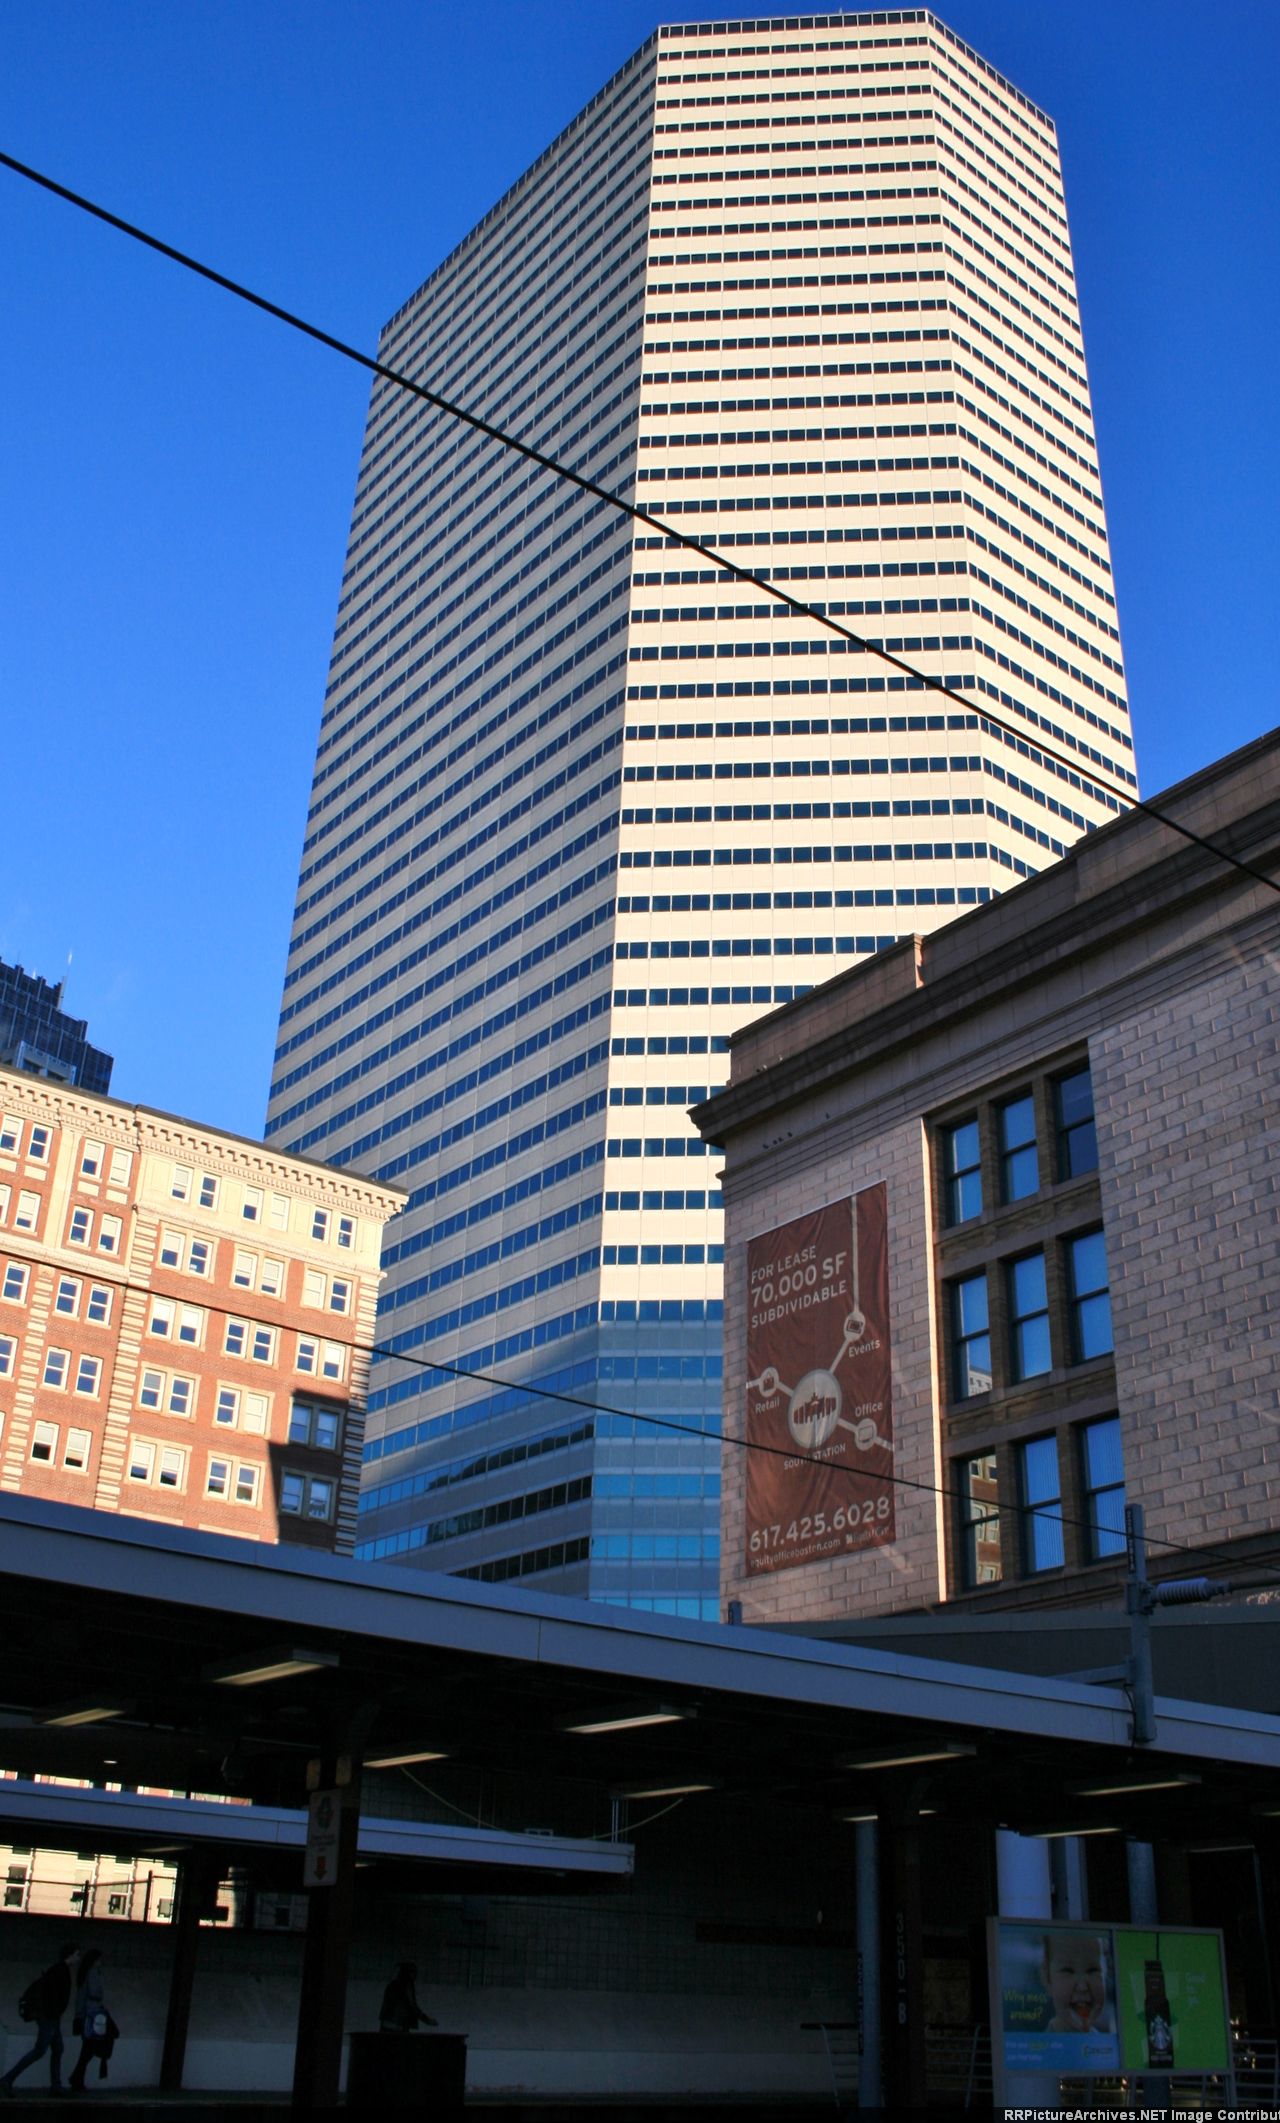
(1060, 1115)
(185, 1319)
(38, 1037)
(584, 804)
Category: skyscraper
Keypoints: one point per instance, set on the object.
(804, 289)
(38, 1037)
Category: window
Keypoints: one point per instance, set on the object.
(98, 1308)
(44, 1442)
(320, 1223)
(57, 1362)
(255, 1413)
(8, 1355)
(208, 1194)
(244, 1269)
(170, 1254)
(27, 1214)
(121, 1167)
(970, 1338)
(981, 1561)
(236, 1338)
(279, 1212)
(321, 1359)
(91, 1160)
(200, 1256)
(218, 1479)
(66, 1297)
(262, 1345)
(10, 1132)
(246, 1483)
(227, 1406)
(151, 1389)
(142, 1460)
(962, 1173)
(251, 1208)
(313, 1286)
(78, 1447)
(160, 1316)
(180, 1185)
(315, 1423)
(191, 1325)
(181, 1396)
(308, 1496)
(1102, 1467)
(340, 1294)
(1029, 1354)
(1041, 1505)
(164, 1391)
(14, 1286)
(80, 1228)
(38, 1147)
(109, 1234)
(271, 1278)
(89, 1376)
(4, 1202)
(173, 1467)
(1089, 1296)
(1077, 1134)
(1019, 1164)
(346, 1230)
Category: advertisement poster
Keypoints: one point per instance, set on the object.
(1080, 1999)
(1172, 2001)
(819, 1386)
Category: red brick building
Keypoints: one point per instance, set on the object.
(185, 1319)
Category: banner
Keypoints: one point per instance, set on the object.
(819, 1386)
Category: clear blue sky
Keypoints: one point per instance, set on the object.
(179, 471)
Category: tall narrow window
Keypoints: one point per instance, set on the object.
(1102, 1465)
(962, 1172)
(1077, 1134)
(980, 1521)
(1029, 1352)
(1042, 1547)
(1090, 1297)
(1019, 1162)
(970, 1338)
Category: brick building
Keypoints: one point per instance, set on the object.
(185, 1319)
(1068, 1098)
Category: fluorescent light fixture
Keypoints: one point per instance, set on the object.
(903, 1757)
(274, 1665)
(88, 1710)
(666, 1787)
(401, 1761)
(1119, 1791)
(857, 1816)
(626, 1718)
(1076, 1828)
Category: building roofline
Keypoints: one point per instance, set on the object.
(158, 1117)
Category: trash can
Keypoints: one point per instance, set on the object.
(408, 2074)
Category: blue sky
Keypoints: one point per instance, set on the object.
(179, 471)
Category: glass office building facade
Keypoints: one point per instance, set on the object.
(584, 803)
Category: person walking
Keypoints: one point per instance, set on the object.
(91, 2020)
(47, 2000)
(400, 2012)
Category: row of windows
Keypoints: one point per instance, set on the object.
(204, 1191)
(444, 1475)
(1036, 1470)
(505, 1512)
(532, 1235)
(527, 1188)
(1074, 1149)
(1029, 1350)
(737, 996)
(675, 1256)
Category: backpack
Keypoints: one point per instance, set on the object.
(31, 2002)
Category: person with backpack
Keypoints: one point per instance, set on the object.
(92, 2022)
(45, 2001)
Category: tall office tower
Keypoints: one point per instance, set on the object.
(38, 1037)
(583, 803)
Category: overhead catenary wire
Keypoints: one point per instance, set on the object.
(476, 421)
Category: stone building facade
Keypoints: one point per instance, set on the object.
(185, 1319)
(1070, 1098)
